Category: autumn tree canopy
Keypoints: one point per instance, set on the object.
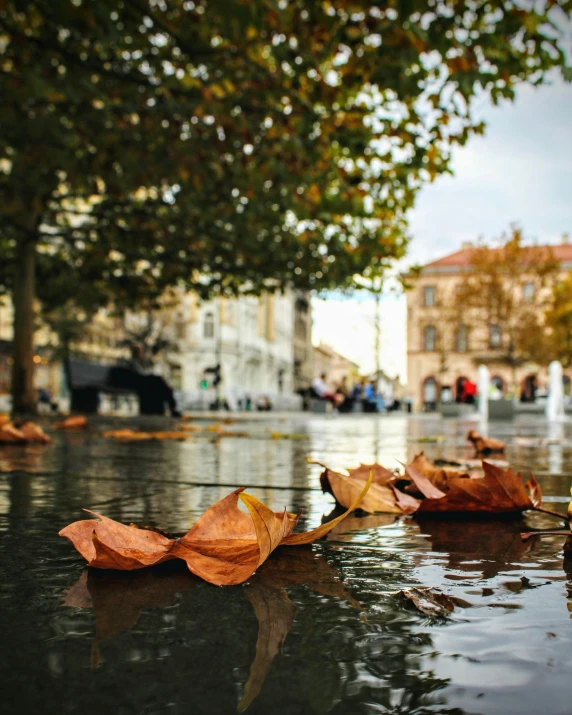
(507, 288)
(223, 143)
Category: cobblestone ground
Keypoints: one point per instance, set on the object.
(322, 630)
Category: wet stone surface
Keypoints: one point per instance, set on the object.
(316, 630)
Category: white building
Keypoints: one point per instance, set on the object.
(252, 339)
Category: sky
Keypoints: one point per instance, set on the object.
(519, 172)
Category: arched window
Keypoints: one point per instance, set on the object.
(462, 339)
(208, 326)
(495, 336)
(429, 338)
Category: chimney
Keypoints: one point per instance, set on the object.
(565, 239)
(466, 244)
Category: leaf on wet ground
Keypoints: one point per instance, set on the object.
(432, 601)
(129, 435)
(184, 427)
(72, 422)
(494, 490)
(485, 445)
(225, 547)
(282, 435)
(26, 433)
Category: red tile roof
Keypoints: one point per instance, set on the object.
(459, 259)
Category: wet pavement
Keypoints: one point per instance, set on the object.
(316, 630)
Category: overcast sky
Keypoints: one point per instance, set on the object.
(520, 171)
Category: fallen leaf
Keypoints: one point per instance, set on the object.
(128, 435)
(381, 497)
(29, 432)
(224, 547)
(10, 434)
(4, 418)
(431, 601)
(485, 445)
(107, 544)
(281, 435)
(72, 422)
(499, 490)
(190, 428)
(437, 475)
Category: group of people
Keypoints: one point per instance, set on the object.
(343, 398)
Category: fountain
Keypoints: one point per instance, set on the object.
(483, 384)
(555, 401)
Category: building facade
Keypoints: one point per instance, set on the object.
(334, 366)
(444, 349)
(250, 338)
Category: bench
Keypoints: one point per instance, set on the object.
(89, 379)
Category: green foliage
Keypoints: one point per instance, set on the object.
(224, 143)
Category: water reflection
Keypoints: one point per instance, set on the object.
(315, 631)
(119, 598)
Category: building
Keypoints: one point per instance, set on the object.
(443, 349)
(250, 338)
(334, 366)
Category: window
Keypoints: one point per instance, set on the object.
(208, 326)
(429, 296)
(495, 336)
(429, 338)
(528, 292)
(429, 390)
(462, 339)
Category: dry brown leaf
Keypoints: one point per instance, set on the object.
(345, 488)
(190, 428)
(485, 445)
(128, 435)
(10, 434)
(431, 601)
(29, 432)
(4, 418)
(437, 475)
(224, 547)
(72, 422)
(499, 490)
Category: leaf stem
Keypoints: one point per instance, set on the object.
(557, 514)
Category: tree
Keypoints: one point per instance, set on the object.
(505, 291)
(556, 337)
(222, 143)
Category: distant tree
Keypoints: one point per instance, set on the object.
(147, 143)
(556, 328)
(503, 296)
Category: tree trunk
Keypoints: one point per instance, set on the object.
(23, 392)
